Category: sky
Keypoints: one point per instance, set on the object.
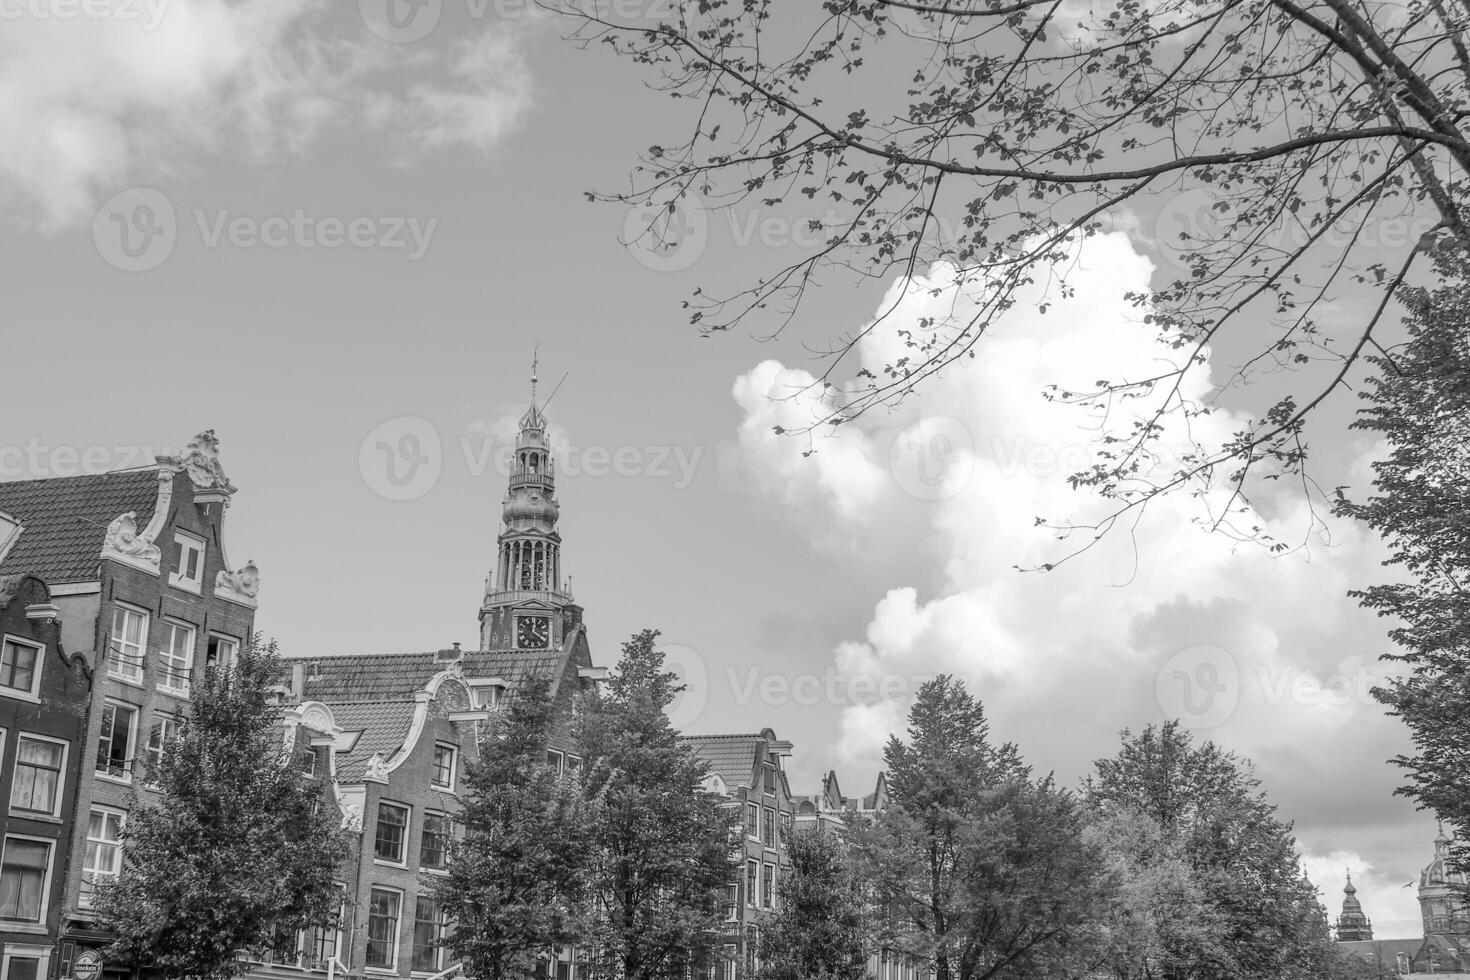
(336, 233)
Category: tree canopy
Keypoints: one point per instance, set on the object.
(238, 845)
(990, 138)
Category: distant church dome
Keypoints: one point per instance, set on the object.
(1352, 925)
(1441, 871)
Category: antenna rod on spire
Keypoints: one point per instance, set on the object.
(555, 390)
(535, 359)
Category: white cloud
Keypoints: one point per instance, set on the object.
(89, 104)
(1265, 654)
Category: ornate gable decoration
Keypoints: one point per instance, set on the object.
(241, 585)
(125, 543)
(201, 462)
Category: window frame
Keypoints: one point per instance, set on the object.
(118, 658)
(752, 826)
(166, 660)
(768, 885)
(32, 693)
(446, 836)
(768, 827)
(154, 754)
(453, 767)
(45, 906)
(26, 951)
(397, 936)
(404, 828)
(182, 542)
(25, 812)
(440, 924)
(213, 638)
(84, 895)
(131, 749)
(752, 883)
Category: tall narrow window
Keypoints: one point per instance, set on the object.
(768, 886)
(165, 730)
(23, 872)
(752, 821)
(434, 845)
(752, 883)
(178, 658)
(188, 573)
(382, 940)
(428, 936)
(103, 858)
(19, 667)
(768, 827)
(125, 647)
(36, 787)
(392, 826)
(443, 767)
(115, 741)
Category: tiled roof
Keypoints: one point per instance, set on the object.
(66, 519)
(383, 724)
(1384, 950)
(371, 677)
(731, 757)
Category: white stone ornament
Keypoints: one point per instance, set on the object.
(241, 585)
(124, 541)
(377, 768)
(201, 462)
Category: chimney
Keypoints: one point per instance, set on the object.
(298, 680)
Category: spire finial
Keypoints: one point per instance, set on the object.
(535, 359)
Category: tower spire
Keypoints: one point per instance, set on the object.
(535, 359)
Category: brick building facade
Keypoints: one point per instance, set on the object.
(146, 597)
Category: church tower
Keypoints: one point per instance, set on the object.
(1352, 925)
(1441, 890)
(527, 605)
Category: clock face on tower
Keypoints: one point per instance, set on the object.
(533, 632)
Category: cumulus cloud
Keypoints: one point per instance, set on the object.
(1262, 653)
(97, 95)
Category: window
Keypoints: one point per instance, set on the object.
(768, 886)
(732, 900)
(178, 658)
(104, 854)
(36, 787)
(770, 778)
(786, 819)
(768, 827)
(382, 944)
(443, 767)
(20, 667)
(428, 934)
(434, 844)
(555, 759)
(752, 821)
(125, 648)
(392, 825)
(221, 652)
(731, 961)
(321, 943)
(115, 741)
(165, 730)
(25, 967)
(752, 962)
(188, 570)
(752, 883)
(487, 696)
(23, 873)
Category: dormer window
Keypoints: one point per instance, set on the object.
(188, 573)
(488, 692)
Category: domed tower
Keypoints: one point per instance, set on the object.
(1352, 925)
(1441, 891)
(527, 606)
